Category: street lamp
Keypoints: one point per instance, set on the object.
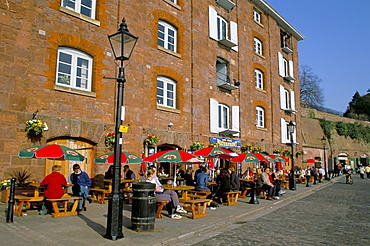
(122, 43)
(292, 182)
(323, 141)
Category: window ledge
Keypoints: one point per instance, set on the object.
(287, 50)
(169, 52)
(74, 91)
(228, 43)
(289, 110)
(78, 15)
(261, 90)
(172, 110)
(259, 55)
(258, 23)
(173, 4)
(261, 128)
(289, 78)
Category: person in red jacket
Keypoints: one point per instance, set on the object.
(54, 183)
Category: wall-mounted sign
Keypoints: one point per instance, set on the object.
(226, 142)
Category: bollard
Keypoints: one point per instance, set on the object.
(253, 194)
(9, 215)
(143, 206)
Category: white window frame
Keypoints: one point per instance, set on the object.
(79, 5)
(228, 35)
(287, 99)
(260, 117)
(258, 49)
(285, 134)
(76, 72)
(222, 71)
(223, 117)
(169, 41)
(220, 117)
(258, 78)
(286, 69)
(169, 95)
(257, 16)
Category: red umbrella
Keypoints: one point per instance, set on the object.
(143, 165)
(51, 151)
(309, 161)
(125, 158)
(214, 151)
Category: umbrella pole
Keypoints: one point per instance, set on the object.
(174, 176)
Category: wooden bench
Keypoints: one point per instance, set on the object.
(197, 207)
(160, 204)
(99, 195)
(198, 194)
(19, 201)
(232, 197)
(245, 192)
(66, 211)
(262, 192)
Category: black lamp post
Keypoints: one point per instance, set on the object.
(122, 43)
(323, 141)
(292, 182)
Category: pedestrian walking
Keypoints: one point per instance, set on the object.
(367, 170)
(361, 170)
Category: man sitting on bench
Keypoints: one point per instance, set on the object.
(265, 183)
(55, 183)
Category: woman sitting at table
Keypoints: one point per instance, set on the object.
(189, 177)
(234, 180)
(109, 173)
(223, 182)
(165, 195)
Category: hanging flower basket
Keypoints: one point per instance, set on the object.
(287, 153)
(246, 148)
(109, 140)
(197, 146)
(35, 127)
(151, 140)
(300, 153)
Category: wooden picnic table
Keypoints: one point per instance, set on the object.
(183, 188)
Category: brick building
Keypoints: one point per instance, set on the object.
(206, 71)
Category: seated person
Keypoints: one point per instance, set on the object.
(179, 172)
(109, 173)
(223, 182)
(55, 183)
(189, 181)
(165, 195)
(234, 180)
(201, 182)
(129, 174)
(265, 183)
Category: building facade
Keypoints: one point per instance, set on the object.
(210, 71)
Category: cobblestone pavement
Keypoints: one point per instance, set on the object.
(336, 215)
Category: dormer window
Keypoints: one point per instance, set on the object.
(285, 42)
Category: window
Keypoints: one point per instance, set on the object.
(287, 99)
(285, 134)
(174, 1)
(286, 69)
(260, 117)
(167, 36)
(285, 41)
(257, 46)
(221, 28)
(258, 77)
(166, 92)
(223, 31)
(74, 69)
(222, 120)
(84, 7)
(221, 69)
(223, 116)
(257, 16)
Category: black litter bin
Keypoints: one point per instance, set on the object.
(143, 206)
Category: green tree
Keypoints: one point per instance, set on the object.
(311, 92)
(359, 107)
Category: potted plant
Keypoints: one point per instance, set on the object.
(151, 140)
(109, 140)
(257, 150)
(35, 127)
(278, 151)
(22, 183)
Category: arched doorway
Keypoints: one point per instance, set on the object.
(84, 147)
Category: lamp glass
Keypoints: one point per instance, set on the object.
(323, 141)
(291, 127)
(122, 44)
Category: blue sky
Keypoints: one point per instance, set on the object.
(337, 44)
